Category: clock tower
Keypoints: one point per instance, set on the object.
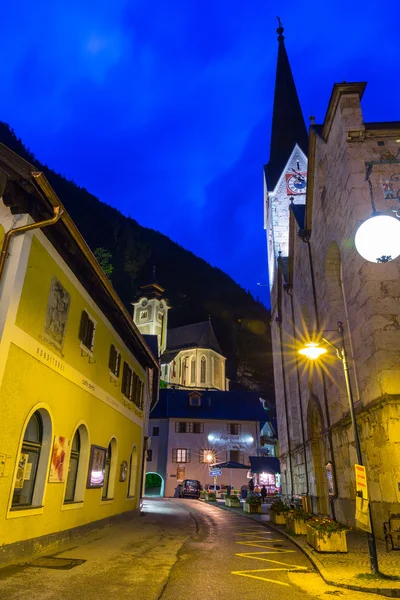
(285, 175)
(150, 313)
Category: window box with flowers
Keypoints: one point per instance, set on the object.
(326, 535)
(252, 504)
(232, 501)
(278, 512)
(296, 521)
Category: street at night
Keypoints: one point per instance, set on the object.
(175, 549)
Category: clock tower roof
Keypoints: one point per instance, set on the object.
(288, 126)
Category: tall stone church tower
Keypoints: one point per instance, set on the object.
(285, 175)
(150, 313)
(285, 183)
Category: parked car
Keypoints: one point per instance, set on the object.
(190, 488)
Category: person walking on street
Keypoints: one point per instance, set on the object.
(263, 493)
(251, 486)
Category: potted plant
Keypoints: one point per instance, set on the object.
(233, 501)
(326, 535)
(210, 497)
(296, 521)
(202, 494)
(279, 511)
(252, 504)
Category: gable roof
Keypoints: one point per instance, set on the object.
(228, 406)
(198, 335)
(288, 126)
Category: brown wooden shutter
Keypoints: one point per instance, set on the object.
(174, 455)
(112, 359)
(125, 379)
(83, 327)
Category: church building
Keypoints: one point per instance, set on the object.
(190, 356)
(320, 287)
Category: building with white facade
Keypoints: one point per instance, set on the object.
(187, 426)
(190, 356)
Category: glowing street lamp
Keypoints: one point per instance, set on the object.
(209, 458)
(378, 238)
(313, 350)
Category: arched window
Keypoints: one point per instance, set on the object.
(73, 468)
(133, 464)
(203, 370)
(77, 468)
(217, 367)
(193, 370)
(110, 470)
(28, 462)
(212, 370)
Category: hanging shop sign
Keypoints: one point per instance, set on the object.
(362, 500)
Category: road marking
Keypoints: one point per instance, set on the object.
(259, 544)
(277, 562)
(246, 574)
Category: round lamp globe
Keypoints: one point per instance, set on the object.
(378, 238)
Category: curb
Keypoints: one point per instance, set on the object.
(388, 592)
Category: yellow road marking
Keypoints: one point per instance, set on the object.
(270, 560)
(260, 544)
(246, 574)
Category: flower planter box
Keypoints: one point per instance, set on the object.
(210, 498)
(321, 542)
(296, 526)
(232, 502)
(278, 518)
(251, 508)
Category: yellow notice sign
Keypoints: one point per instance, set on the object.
(362, 502)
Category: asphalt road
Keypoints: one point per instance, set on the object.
(182, 549)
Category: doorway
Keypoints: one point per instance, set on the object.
(154, 485)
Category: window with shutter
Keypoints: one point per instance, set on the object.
(181, 455)
(114, 361)
(234, 428)
(126, 387)
(86, 330)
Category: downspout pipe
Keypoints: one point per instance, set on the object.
(57, 212)
(305, 236)
(288, 290)
(279, 321)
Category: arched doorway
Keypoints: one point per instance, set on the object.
(317, 480)
(154, 485)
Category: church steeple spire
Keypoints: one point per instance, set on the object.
(288, 126)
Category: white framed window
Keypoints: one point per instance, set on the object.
(77, 466)
(87, 329)
(193, 370)
(110, 470)
(234, 428)
(203, 369)
(188, 427)
(114, 361)
(235, 456)
(32, 462)
(133, 467)
(181, 455)
(127, 381)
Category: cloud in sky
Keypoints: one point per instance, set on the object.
(164, 109)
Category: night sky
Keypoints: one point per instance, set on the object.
(163, 109)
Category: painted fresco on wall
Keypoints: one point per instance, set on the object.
(57, 314)
(58, 459)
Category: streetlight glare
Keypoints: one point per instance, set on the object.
(378, 238)
(312, 350)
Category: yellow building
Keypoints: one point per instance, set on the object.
(77, 379)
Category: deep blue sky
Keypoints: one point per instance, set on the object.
(163, 109)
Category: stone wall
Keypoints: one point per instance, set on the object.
(365, 297)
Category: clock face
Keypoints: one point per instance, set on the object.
(296, 183)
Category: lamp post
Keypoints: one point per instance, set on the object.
(313, 350)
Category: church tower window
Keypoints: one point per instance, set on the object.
(203, 370)
(193, 370)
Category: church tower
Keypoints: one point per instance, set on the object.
(150, 313)
(285, 175)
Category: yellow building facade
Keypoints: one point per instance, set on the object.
(77, 380)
